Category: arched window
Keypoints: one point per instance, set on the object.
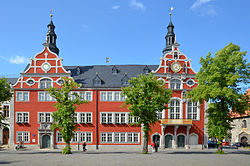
(244, 124)
(192, 110)
(175, 84)
(175, 109)
(45, 83)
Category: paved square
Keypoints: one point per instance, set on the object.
(126, 158)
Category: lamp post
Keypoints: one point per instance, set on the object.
(78, 141)
(202, 138)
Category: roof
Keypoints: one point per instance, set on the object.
(12, 80)
(85, 75)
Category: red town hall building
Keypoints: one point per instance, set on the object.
(102, 122)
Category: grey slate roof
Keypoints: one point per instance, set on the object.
(12, 80)
(86, 74)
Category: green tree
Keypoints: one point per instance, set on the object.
(219, 81)
(5, 95)
(66, 106)
(144, 98)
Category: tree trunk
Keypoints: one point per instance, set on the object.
(67, 149)
(145, 143)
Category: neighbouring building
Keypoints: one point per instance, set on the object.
(240, 131)
(103, 122)
(5, 110)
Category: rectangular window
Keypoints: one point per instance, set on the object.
(109, 118)
(117, 118)
(192, 110)
(22, 96)
(45, 96)
(22, 117)
(119, 137)
(59, 137)
(6, 110)
(74, 139)
(88, 118)
(23, 136)
(104, 117)
(86, 96)
(82, 137)
(45, 117)
(123, 119)
(111, 96)
(130, 137)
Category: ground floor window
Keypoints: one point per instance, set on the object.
(23, 136)
(120, 137)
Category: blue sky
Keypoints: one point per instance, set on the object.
(127, 31)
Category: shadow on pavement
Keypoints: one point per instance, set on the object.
(7, 162)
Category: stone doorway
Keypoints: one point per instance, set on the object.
(5, 136)
(180, 141)
(46, 141)
(168, 141)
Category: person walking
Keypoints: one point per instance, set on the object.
(156, 146)
(153, 146)
(84, 146)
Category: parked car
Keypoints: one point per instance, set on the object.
(225, 143)
(239, 144)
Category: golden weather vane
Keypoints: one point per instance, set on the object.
(51, 14)
(171, 9)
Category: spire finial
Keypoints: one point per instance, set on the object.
(170, 13)
(51, 14)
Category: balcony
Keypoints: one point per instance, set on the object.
(184, 122)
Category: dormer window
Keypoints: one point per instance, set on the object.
(114, 70)
(45, 83)
(78, 70)
(97, 80)
(124, 80)
(146, 70)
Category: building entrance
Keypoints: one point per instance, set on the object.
(5, 136)
(168, 141)
(181, 141)
(46, 141)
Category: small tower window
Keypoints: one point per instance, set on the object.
(175, 55)
(244, 124)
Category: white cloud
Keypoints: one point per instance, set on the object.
(137, 5)
(18, 59)
(198, 3)
(116, 7)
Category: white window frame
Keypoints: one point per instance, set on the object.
(22, 117)
(120, 137)
(197, 109)
(104, 115)
(22, 96)
(23, 136)
(44, 114)
(57, 137)
(174, 82)
(46, 84)
(85, 117)
(111, 96)
(46, 96)
(181, 108)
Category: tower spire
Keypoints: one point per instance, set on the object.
(51, 36)
(170, 37)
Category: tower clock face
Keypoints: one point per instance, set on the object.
(176, 67)
(46, 66)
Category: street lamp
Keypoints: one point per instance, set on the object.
(78, 141)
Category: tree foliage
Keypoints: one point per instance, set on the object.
(66, 106)
(5, 95)
(220, 80)
(144, 98)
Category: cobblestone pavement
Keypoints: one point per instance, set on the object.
(179, 157)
